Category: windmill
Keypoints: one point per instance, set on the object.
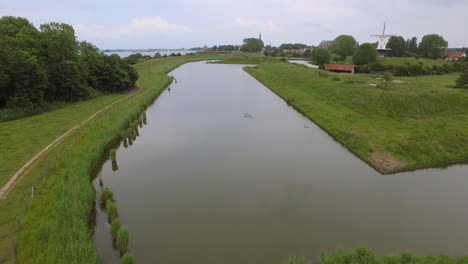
(382, 42)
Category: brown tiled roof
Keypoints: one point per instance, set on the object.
(455, 55)
(339, 67)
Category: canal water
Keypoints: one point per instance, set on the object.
(226, 172)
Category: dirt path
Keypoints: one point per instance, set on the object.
(26, 167)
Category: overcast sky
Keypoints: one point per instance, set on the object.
(190, 23)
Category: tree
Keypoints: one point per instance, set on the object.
(10, 26)
(413, 45)
(292, 46)
(344, 46)
(462, 81)
(365, 54)
(398, 46)
(307, 53)
(252, 45)
(62, 60)
(23, 77)
(432, 46)
(320, 56)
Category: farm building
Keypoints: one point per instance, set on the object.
(455, 56)
(340, 68)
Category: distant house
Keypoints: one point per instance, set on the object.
(340, 68)
(454, 56)
(325, 44)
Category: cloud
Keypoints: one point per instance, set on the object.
(324, 8)
(136, 26)
(260, 25)
(154, 24)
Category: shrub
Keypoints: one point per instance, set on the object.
(106, 195)
(115, 226)
(111, 210)
(387, 76)
(462, 81)
(113, 154)
(127, 258)
(122, 239)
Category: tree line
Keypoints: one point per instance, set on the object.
(49, 64)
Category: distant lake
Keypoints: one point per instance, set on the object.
(124, 54)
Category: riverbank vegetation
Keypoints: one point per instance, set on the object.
(391, 124)
(44, 68)
(366, 256)
(55, 227)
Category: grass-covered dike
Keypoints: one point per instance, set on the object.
(56, 228)
(393, 125)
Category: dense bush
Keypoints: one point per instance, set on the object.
(413, 69)
(49, 65)
(462, 81)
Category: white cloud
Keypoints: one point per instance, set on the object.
(154, 24)
(136, 26)
(324, 8)
(259, 25)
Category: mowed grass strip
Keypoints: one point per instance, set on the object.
(422, 120)
(21, 139)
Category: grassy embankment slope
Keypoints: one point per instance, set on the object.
(55, 227)
(394, 126)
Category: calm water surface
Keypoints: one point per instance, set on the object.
(303, 62)
(226, 172)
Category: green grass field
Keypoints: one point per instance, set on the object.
(55, 224)
(394, 125)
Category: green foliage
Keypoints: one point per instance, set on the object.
(293, 46)
(138, 57)
(387, 76)
(412, 45)
(122, 239)
(106, 195)
(252, 45)
(320, 56)
(398, 46)
(432, 46)
(49, 65)
(113, 154)
(111, 210)
(115, 226)
(344, 46)
(365, 256)
(462, 81)
(365, 54)
(127, 258)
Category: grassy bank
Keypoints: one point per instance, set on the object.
(416, 120)
(55, 226)
(365, 256)
(23, 138)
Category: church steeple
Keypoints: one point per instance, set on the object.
(260, 36)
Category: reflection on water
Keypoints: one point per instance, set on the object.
(206, 184)
(303, 62)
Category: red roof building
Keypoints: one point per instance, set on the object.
(455, 55)
(340, 68)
